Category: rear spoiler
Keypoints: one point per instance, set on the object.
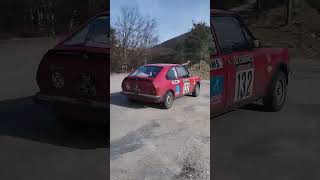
(186, 64)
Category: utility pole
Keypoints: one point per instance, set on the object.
(92, 7)
(259, 5)
(289, 12)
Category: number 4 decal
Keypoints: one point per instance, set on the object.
(244, 84)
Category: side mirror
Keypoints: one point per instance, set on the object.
(256, 43)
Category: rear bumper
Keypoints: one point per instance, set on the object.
(142, 97)
(41, 98)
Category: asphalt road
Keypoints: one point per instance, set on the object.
(250, 144)
(148, 142)
(34, 145)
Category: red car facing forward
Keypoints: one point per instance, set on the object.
(74, 75)
(242, 70)
(160, 83)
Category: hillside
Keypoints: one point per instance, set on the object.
(172, 43)
(302, 37)
(165, 52)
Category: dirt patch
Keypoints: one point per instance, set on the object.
(194, 163)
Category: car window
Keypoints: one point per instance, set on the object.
(248, 36)
(213, 47)
(94, 34)
(182, 72)
(229, 34)
(172, 74)
(147, 71)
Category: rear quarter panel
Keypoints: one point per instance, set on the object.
(161, 83)
(275, 58)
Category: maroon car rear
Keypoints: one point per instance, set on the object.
(74, 76)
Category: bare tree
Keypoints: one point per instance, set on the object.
(134, 34)
(289, 11)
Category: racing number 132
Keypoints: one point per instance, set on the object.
(244, 84)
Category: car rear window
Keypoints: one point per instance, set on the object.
(147, 71)
(94, 34)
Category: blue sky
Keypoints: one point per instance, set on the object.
(174, 17)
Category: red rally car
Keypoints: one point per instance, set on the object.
(74, 75)
(160, 83)
(242, 70)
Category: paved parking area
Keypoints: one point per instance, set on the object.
(149, 142)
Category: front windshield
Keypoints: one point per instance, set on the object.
(95, 34)
(147, 71)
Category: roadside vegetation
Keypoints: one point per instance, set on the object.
(132, 35)
(21, 17)
(301, 34)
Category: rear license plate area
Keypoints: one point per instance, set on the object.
(87, 85)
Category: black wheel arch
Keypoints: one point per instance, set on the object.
(169, 90)
(282, 67)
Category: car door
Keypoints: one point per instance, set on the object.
(174, 81)
(218, 76)
(184, 79)
(240, 60)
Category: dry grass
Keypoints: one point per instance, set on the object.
(203, 72)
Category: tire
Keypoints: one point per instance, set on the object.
(276, 95)
(168, 100)
(196, 90)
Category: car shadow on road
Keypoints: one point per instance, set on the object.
(249, 107)
(23, 118)
(254, 107)
(120, 100)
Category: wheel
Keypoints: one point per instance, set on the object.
(168, 100)
(276, 95)
(196, 91)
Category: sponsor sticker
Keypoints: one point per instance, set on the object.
(244, 84)
(244, 77)
(87, 85)
(175, 82)
(178, 89)
(243, 62)
(186, 86)
(216, 64)
(216, 89)
(57, 80)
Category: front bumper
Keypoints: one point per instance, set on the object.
(70, 101)
(142, 97)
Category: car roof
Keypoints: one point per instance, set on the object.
(162, 65)
(105, 13)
